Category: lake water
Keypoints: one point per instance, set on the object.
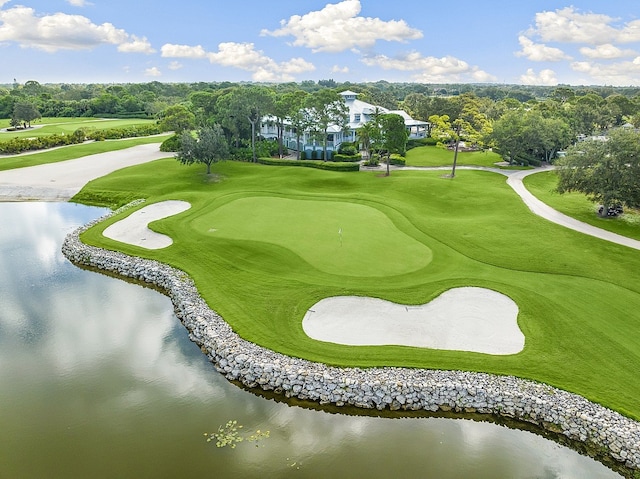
(99, 380)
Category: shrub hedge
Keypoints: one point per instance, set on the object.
(319, 164)
(396, 159)
(18, 145)
(416, 142)
(171, 144)
(341, 157)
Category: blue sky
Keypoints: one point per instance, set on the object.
(540, 42)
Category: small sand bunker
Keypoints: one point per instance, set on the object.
(134, 229)
(461, 319)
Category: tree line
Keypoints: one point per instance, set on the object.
(527, 125)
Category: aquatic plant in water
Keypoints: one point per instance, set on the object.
(231, 435)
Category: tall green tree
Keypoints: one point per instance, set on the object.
(286, 106)
(208, 147)
(524, 136)
(394, 136)
(257, 102)
(606, 171)
(509, 134)
(471, 125)
(245, 104)
(177, 118)
(369, 137)
(297, 115)
(589, 114)
(326, 108)
(26, 112)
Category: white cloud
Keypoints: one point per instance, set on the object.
(245, 57)
(79, 3)
(175, 65)
(539, 52)
(339, 69)
(430, 69)
(337, 27)
(239, 55)
(152, 72)
(136, 45)
(545, 77)
(569, 26)
(60, 31)
(618, 74)
(606, 52)
(170, 50)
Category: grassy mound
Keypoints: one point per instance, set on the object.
(262, 245)
(436, 156)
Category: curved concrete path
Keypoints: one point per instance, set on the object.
(62, 180)
(514, 180)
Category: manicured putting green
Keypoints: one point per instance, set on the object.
(335, 237)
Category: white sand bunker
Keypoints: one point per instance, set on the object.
(462, 319)
(134, 229)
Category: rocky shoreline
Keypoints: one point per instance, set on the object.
(603, 430)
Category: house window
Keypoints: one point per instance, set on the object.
(356, 117)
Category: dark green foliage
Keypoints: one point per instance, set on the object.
(396, 159)
(124, 132)
(416, 142)
(606, 171)
(25, 112)
(177, 118)
(19, 145)
(172, 143)
(244, 152)
(348, 149)
(373, 161)
(208, 146)
(394, 133)
(345, 157)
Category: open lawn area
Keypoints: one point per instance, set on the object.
(264, 244)
(51, 126)
(436, 156)
(75, 151)
(578, 206)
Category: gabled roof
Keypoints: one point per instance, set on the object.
(408, 121)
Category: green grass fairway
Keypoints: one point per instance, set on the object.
(406, 238)
(51, 126)
(578, 206)
(435, 156)
(335, 237)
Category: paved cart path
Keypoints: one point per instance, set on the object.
(62, 180)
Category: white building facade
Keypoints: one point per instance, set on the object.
(360, 112)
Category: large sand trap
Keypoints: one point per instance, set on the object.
(134, 228)
(462, 319)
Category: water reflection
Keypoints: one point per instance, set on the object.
(98, 379)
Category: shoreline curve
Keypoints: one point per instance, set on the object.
(611, 435)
